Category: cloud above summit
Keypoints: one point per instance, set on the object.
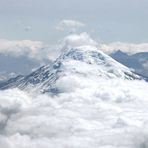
(70, 25)
(81, 39)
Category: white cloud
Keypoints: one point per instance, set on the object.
(106, 114)
(32, 49)
(84, 38)
(81, 39)
(69, 24)
(130, 48)
(39, 51)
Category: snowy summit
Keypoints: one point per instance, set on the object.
(74, 64)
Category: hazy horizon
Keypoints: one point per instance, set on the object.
(107, 20)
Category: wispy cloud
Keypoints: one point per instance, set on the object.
(72, 25)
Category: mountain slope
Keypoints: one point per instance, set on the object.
(83, 62)
(138, 61)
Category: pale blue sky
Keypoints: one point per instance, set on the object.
(108, 20)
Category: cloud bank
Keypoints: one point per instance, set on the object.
(108, 114)
(130, 48)
(38, 50)
(84, 38)
(32, 49)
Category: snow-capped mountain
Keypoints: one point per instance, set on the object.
(78, 64)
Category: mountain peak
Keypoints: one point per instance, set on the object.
(82, 53)
(85, 62)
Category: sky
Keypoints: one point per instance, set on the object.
(106, 20)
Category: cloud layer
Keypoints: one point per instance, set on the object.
(85, 39)
(125, 47)
(32, 49)
(108, 114)
(39, 50)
